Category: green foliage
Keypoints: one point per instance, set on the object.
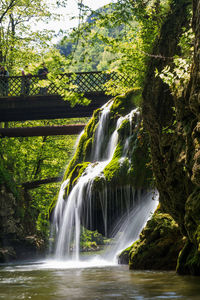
(7, 180)
(177, 75)
(123, 104)
(91, 240)
(84, 145)
(34, 158)
(119, 38)
(22, 47)
(18, 40)
(159, 244)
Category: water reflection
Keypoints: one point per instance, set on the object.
(42, 281)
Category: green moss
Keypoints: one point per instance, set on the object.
(78, 156)
(189, 260)
(124, 130)
(90, 128)
(121, 106)
(192, 220)
(99, 183)
(85, 144)
(140, 170)
(124, 104)
(75, 175)
(116, 171)
(87, 149)
(123, 257)
(159, 245)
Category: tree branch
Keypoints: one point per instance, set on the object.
(11, 5)
(35, 184)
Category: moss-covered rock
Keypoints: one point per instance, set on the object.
(123, 257)
(84, 147)
(75, 175)
(134, 167)
(123, 104)
(117, 121)
(189, 260)
(159, 245)
(173, 124)
(192, 217)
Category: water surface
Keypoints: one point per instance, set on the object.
(92, 281)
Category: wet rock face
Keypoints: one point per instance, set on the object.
(159, 245)
(194, 98)
(190, 257)
(10, 227)
(9, 224)
(175, 139)
(167, 141)
(16, 240)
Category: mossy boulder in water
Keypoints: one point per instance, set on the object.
(158, 247)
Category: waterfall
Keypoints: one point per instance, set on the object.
(129, 226)
(101, 132)
(132, 213)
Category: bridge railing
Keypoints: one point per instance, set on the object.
(81, 82)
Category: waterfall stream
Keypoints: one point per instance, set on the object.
(68, 212)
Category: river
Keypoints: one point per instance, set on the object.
(93, 280)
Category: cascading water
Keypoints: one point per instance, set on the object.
(129, 226)
(68, 212)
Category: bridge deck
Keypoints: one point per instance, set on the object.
(23, 98)
(42, 130)
(46, 107)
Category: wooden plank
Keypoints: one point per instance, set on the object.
(41, 130)
(46, 107)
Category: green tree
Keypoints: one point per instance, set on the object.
(117, 38)
(36, 158)
(21, 42)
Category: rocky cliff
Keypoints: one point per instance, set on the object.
(173, 126)
(18, 238)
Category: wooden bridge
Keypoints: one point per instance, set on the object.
(22, 97)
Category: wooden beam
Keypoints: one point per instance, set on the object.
(41, 130)
(47, 107)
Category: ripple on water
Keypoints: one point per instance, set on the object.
(50, 280)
